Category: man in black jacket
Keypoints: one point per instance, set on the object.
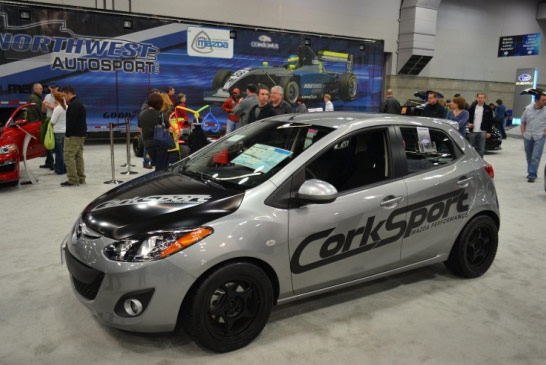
(390, 105)
(76, 129)
(480, 123)
(434, 109)
(278, 103)
(263, 109)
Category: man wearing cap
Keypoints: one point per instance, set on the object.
(229, 105)
(242, 110)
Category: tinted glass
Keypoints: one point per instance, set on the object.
(251, 156)
(427, 148)
(355, 161)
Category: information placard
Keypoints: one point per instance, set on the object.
(519, 45)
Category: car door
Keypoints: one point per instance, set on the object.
(351, 237)
(441, 184)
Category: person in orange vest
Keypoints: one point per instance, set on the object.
(229, 105)
(174, 154)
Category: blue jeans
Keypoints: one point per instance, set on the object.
(49, 161)
(477, 140)
(231, 126)
(533, 152)
(60, 168)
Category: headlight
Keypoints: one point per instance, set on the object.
(156, 246)
(4, 150)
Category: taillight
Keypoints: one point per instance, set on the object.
(489, 169)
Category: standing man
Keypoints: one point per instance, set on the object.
(47, 107)
(228, 106)
(480, 123)
(36, 112)
(279, 105)
(328, 106)
(263, 109)
(434, 109)
(76, 128)
(242, 110)
(390, 105)
(533, 128)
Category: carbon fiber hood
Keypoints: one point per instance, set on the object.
(158, 201)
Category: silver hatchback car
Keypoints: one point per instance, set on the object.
(279, 210)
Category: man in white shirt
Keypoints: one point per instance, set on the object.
(533, 128)
(480, 124)
(328, 106)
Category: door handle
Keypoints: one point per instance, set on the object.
(391, 201)
(464, 181)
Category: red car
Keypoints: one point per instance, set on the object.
(12, 137)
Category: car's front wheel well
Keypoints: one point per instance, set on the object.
(269, 271)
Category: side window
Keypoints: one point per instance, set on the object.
(427, 148)
(357, 160)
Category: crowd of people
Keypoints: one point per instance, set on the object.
(260, 102)
(479, 118)
(67, 115)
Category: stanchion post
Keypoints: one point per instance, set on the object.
(128, 141)
(113, 181)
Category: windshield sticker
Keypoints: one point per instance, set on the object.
(425, 144)
(236, 138)
(188, 200)
(261, 158)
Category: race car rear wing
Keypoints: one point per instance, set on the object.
(330, 56)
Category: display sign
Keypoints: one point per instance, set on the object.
(209, 42)
(519, 45)
(526, 78)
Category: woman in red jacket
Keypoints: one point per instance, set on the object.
(229, 105)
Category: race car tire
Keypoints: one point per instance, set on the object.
(291, 89)
(138, 146)
(220, 78)
(475, 248)
(348, 86)
(228, 307)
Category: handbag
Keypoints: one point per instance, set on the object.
(49, 138)
(162, 137)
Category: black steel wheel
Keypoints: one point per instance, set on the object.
(229, 307)
(475, 248)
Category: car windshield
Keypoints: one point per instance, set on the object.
(250, 156)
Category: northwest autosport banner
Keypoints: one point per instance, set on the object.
(113, 64)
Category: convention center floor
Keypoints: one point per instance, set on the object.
(426, 316)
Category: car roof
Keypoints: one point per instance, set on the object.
(350, 119)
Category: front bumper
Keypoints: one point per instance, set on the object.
(103, 285)
(9, 167)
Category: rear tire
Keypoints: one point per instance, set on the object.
(348, 86)
(220, 78)
(229, 307)
(138, 146)
(475, 248)
(291, 90)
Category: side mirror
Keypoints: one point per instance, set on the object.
(317, 192)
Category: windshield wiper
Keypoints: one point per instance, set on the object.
(207, 179)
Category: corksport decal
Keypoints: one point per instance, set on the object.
(421, 217)
(188, 200)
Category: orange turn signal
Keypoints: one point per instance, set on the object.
(187, 240)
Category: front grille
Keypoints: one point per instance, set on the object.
(7, 168)
(90, 290)
(86, 280)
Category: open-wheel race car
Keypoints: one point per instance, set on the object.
(12, 144)
(303, 74)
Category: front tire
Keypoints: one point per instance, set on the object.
(229, 307)
(138, 146)
(475, 248)
(220, 78)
